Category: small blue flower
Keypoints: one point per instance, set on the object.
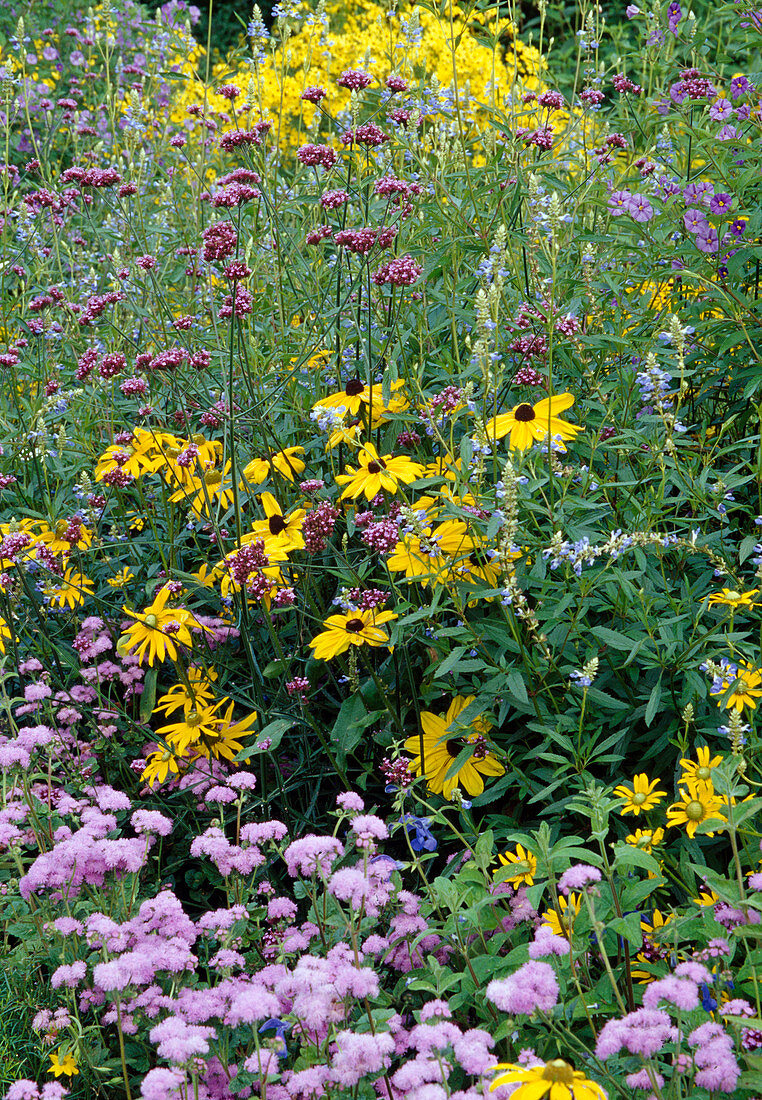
(421, 837)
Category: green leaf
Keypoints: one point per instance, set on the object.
(653, 702)
(148, 698)
(613, 638)
(351, 721)
(627, 855)
(629, 927)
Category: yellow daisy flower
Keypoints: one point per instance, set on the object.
(277, 530)
(160, 765)
(70, 591)
(561, 920)
(652, 950)
(728, 597)
(702, 769)
(525, 864)
(375, 473)
(441, 742)
(158, 630)
(66, 1065)
(122, 578)
(287, 463)
(526, 424)
(357, 628)
(556, 1079)
(429, 556)
(5, 634)
(641, 797)
(746, 688)
(698, 803)
(645, 839)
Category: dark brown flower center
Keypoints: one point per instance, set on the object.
(453, 747)
(276, 525)
(479, 558)
(354, 626)
(375, 467)
(524, 413)
(354, 387)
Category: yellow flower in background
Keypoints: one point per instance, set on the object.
(442, 740)
(641, 797)
(355, 628)
(122, 578)
(645, 839)
(376, 473)
(160, 765)
(524, 863)
(702, 768)
(70, 591)
(5, 634)
(727, 597)
(698, 803)
(288, 463)
(66, 1065)
(555, 1079)
(158, 630)
(526, 424)
(53, 537)
(745, 684)
(429, 557)
(197, 693)
(560, 920)
(652, 950)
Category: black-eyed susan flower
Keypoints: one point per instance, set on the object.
(561, 918)
(555, 1079)
(524, 864)
(728, 597)
(702, 767)
(641, 797)
(526, 424)
(429, 554)
(442, 740)
(191, 727)
(742, 683)
(355, 628)
(376, 473)
(279, 531)
(140, 455)
(288, 463)
(70, 591)
(5, 634)
(158, 630)
(698, 803)
(197, 692)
